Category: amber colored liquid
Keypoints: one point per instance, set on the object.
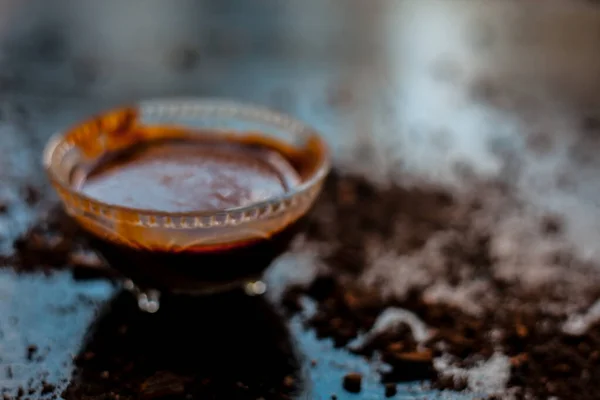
(186, 175)
(195, 270)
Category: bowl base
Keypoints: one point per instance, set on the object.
(148, 299)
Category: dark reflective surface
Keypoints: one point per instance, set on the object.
(227, 346)
(91, 341)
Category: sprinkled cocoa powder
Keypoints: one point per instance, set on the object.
(470, 292)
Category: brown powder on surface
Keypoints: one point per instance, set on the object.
(492, 280)
(473, 291)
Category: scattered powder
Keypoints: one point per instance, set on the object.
(578, 324)
(393, 317)
(489, 377)
(468, 289)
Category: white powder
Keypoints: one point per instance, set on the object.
(391, 318)
(579, 323)
(488, 377)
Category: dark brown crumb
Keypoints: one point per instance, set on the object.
(32, 195)
(31, 350)
(162, 384)
(353, 382)
(289, 381)
(390, 389)
(47, 388)
(457, 383)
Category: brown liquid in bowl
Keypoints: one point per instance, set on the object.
(186, 175)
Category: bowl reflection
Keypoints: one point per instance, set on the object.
(225, 346)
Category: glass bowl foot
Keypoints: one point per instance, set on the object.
(255, 288)
(148, 300)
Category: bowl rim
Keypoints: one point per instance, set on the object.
(238, 109)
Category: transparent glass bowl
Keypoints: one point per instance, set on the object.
(160, 251)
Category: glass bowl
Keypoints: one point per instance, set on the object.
(186, 252)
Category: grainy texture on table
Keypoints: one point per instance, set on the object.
(504, 98)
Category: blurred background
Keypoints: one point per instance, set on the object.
(133, 47)
(426, 87)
